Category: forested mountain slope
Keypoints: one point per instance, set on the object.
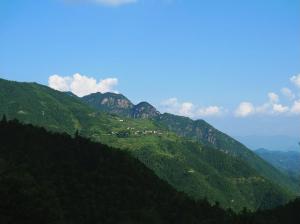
(197, 130)
(203, 132)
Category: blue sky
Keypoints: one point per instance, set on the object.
(218, 60)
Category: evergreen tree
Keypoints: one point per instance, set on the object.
(4, 120)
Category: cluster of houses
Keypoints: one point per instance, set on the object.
(133, 131)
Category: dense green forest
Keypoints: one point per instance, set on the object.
(227, 172)
(55, 178)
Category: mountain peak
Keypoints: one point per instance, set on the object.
(70, 93)
(109, 102)
(144, 110)
(118, 104)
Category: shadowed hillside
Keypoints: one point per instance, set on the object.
(53, 178)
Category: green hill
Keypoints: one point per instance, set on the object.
(200, 170)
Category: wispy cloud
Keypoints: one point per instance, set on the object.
(82, 85)
(296, 107)
(296, 80)
(288, 93)
(245, 109)
(273, 97)
(173, 105)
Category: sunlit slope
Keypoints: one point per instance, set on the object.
(204, 133)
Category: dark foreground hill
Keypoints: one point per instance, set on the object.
(286, 214)
(53, 178)
(57, 179)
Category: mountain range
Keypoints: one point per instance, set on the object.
(192, 156)
(273, 143)
(288, 162)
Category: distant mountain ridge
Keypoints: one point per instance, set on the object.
(274, 143)
(286, 161)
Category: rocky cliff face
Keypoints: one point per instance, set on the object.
(120, 105)
(110, 102)
(144, 110)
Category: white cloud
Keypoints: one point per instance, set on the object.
(59, 83)
(82, 85)
(245, 109)
(172, 102)
(278, 108)
(288, 93)
(263, 109)
(296, 80)
(188, 109)
(296, 107)
(271, 107)
(273, 97)
(210, 111)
